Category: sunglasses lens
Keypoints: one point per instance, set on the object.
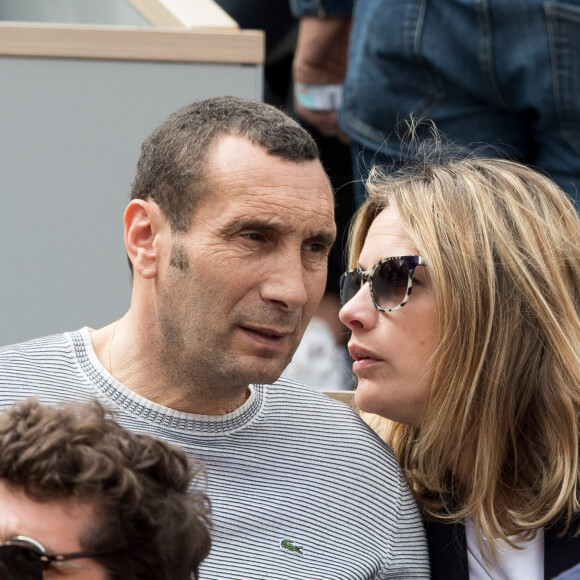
(350, 283)
(390, 283)
(19, 563)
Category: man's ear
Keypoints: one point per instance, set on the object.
(143, 221)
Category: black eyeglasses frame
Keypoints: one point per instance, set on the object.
(44, 558)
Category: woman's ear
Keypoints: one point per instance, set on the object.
(143, 220)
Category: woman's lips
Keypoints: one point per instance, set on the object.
(358, 352)
(362, 357)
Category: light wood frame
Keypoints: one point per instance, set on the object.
(346, 397)
(191, 31)
(188, 14)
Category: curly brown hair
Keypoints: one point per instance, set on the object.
(140, 486)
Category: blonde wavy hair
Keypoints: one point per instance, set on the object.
(498, 439)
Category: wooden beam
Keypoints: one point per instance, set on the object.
(131, 43)
(188, 14)
(346, 397)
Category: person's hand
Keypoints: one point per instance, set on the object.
(320, 59)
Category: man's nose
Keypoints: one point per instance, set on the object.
(285, 285)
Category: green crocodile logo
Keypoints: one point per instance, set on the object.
(291, 546)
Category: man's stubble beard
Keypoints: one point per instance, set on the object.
(190, 358)
(199, 362)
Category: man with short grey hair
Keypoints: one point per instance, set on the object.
(227, 233)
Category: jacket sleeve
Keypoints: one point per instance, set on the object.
(321, 8)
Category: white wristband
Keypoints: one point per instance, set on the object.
(318, 97)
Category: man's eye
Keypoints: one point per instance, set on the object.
(316, 248)
(253, 236)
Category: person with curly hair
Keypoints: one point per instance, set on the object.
(83, 498)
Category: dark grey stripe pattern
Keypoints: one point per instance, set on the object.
(301, 488)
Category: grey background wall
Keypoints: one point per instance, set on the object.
(115, 12)
(70, 135)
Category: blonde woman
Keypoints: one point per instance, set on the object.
(463, 302)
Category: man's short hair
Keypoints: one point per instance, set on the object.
(172, 169)
(138, 484)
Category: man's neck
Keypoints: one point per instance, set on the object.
(133, 362)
